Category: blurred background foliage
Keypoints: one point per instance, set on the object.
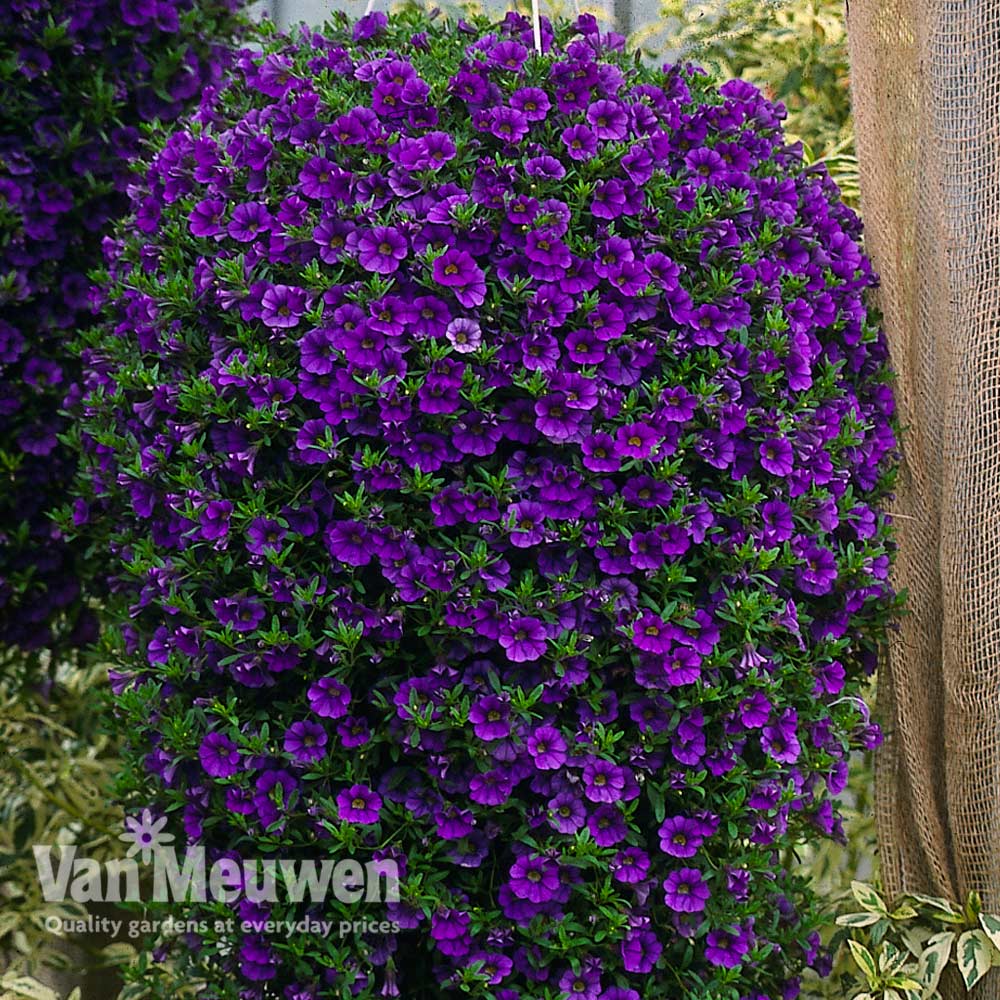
(57, 761)
(57, 746)
(794, 50)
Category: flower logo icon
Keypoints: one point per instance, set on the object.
(146, 835)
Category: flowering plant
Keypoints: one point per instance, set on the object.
(78, 78)
(493, 442)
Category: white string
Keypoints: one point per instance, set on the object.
(536, 25)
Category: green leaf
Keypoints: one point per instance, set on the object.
(974, 956)
(864, 960)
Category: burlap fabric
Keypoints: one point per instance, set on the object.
(926, 85)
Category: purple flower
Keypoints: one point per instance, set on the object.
(205, 219)
(685, 891)
(534, 104)
(580, 142)
(219, 756)
(464, 335)
(349, 542)
(776, 456)
(274, 796)
(547, 748)
(214, 519)
(640, 950)
(305, 741)
(680, 837)
(490, 718)
(523, 639)
(602, 780)
(534, 878)
(359, 804)
(329, 698)
(630, 866)
(819, 574)
(264, 534)
(636, 440)
(608, 119)
(458, 271)
(242, 614)
(781, 743)
(322, 179)
(282, 306)
(381, 249)
(726, 949)
(249, 221)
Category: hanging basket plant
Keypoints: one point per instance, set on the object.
(78, 81)
(492, 442)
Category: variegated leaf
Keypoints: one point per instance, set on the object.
(857, 919)
(991, 925)
(933, 959)
(869, 898)
(974, 960)
(864, 960)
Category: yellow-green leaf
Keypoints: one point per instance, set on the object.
(869, 898)
(865, 961)
(857, 919)
(973, 956)
(25, 986)
(936, 903)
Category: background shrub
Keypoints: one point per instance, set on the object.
(491, 443)
(78, 78)
(794, 50)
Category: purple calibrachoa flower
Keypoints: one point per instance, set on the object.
(475, 505)
(535, 879)
(381, 249)
(685, 891)
(680, 837)
(282, 306)
(214, 519)
(349, 542)
(547, 748)
(329, 698)
(305, 741)
(523, 638)
(219, 756)
(242, 614)
(458, 271)
(359, 804)
(490, 718)
(725, 948)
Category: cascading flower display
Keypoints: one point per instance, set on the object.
(493, 445)
(78, 77)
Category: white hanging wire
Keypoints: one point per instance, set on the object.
(536, 25)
